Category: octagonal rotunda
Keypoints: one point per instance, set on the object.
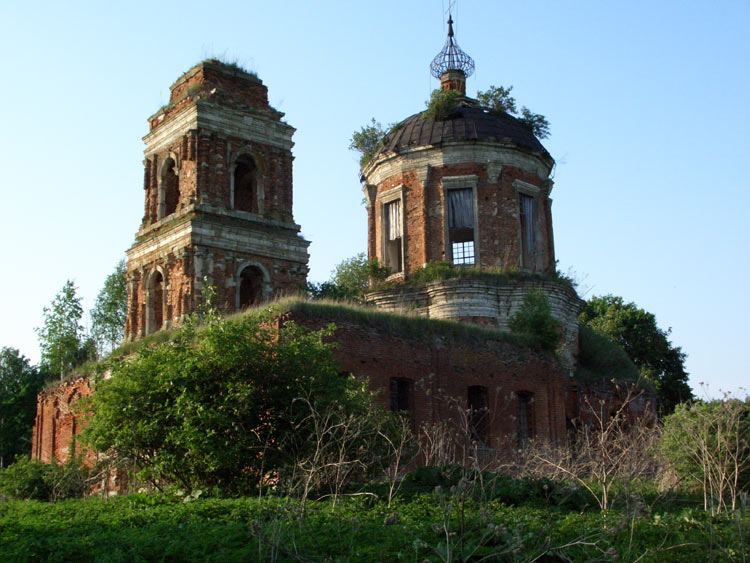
(471, 188)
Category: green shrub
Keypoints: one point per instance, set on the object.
(535, 321)
(442, 104)
(35, 480)
(26, 479)
(708, 445)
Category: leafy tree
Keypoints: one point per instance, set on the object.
(367, 141)
(349, 279)
(110, 310)
(499, 99)
(221, 407)
(536, 122)
(708, 444)
(20, 382)
(534, 320)
(60, 335)
(645, 343)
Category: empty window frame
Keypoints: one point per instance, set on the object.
(401, 394)
(460, 203)
(393, 229)
(527, 214)
(478, 414)
(525, 418)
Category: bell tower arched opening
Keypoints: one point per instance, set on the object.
(169, 188)
(155, 303)
(245, 185)
(250, 287)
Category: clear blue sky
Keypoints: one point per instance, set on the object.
(648, 105)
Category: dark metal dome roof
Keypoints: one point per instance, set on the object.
(468, 122)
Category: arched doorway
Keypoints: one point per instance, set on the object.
(250, 287)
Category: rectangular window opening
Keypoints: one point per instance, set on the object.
(526, 204)
(460, 204)
(392, 253)
(478, 414)
(525, 418)
(401, 394)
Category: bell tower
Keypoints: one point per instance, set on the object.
(218, 202)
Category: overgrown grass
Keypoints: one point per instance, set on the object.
(420, 526)
(402, 324)
(233, 64)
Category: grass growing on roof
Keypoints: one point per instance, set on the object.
(601, 359)
(399, 324)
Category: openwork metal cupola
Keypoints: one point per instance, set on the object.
(451, 57)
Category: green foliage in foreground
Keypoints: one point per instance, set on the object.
(708, 444)
(424, 526)
(33, 479)
(223, 406)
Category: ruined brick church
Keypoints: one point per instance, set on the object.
(472, 189)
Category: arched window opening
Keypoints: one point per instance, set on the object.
(171, 187)
(246, 185)
(251, 287)
(155, 300)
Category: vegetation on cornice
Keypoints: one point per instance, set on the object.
(443, 270)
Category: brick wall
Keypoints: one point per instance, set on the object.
(497, 200)
(55, 422)
(440, 370)
(192, 226)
